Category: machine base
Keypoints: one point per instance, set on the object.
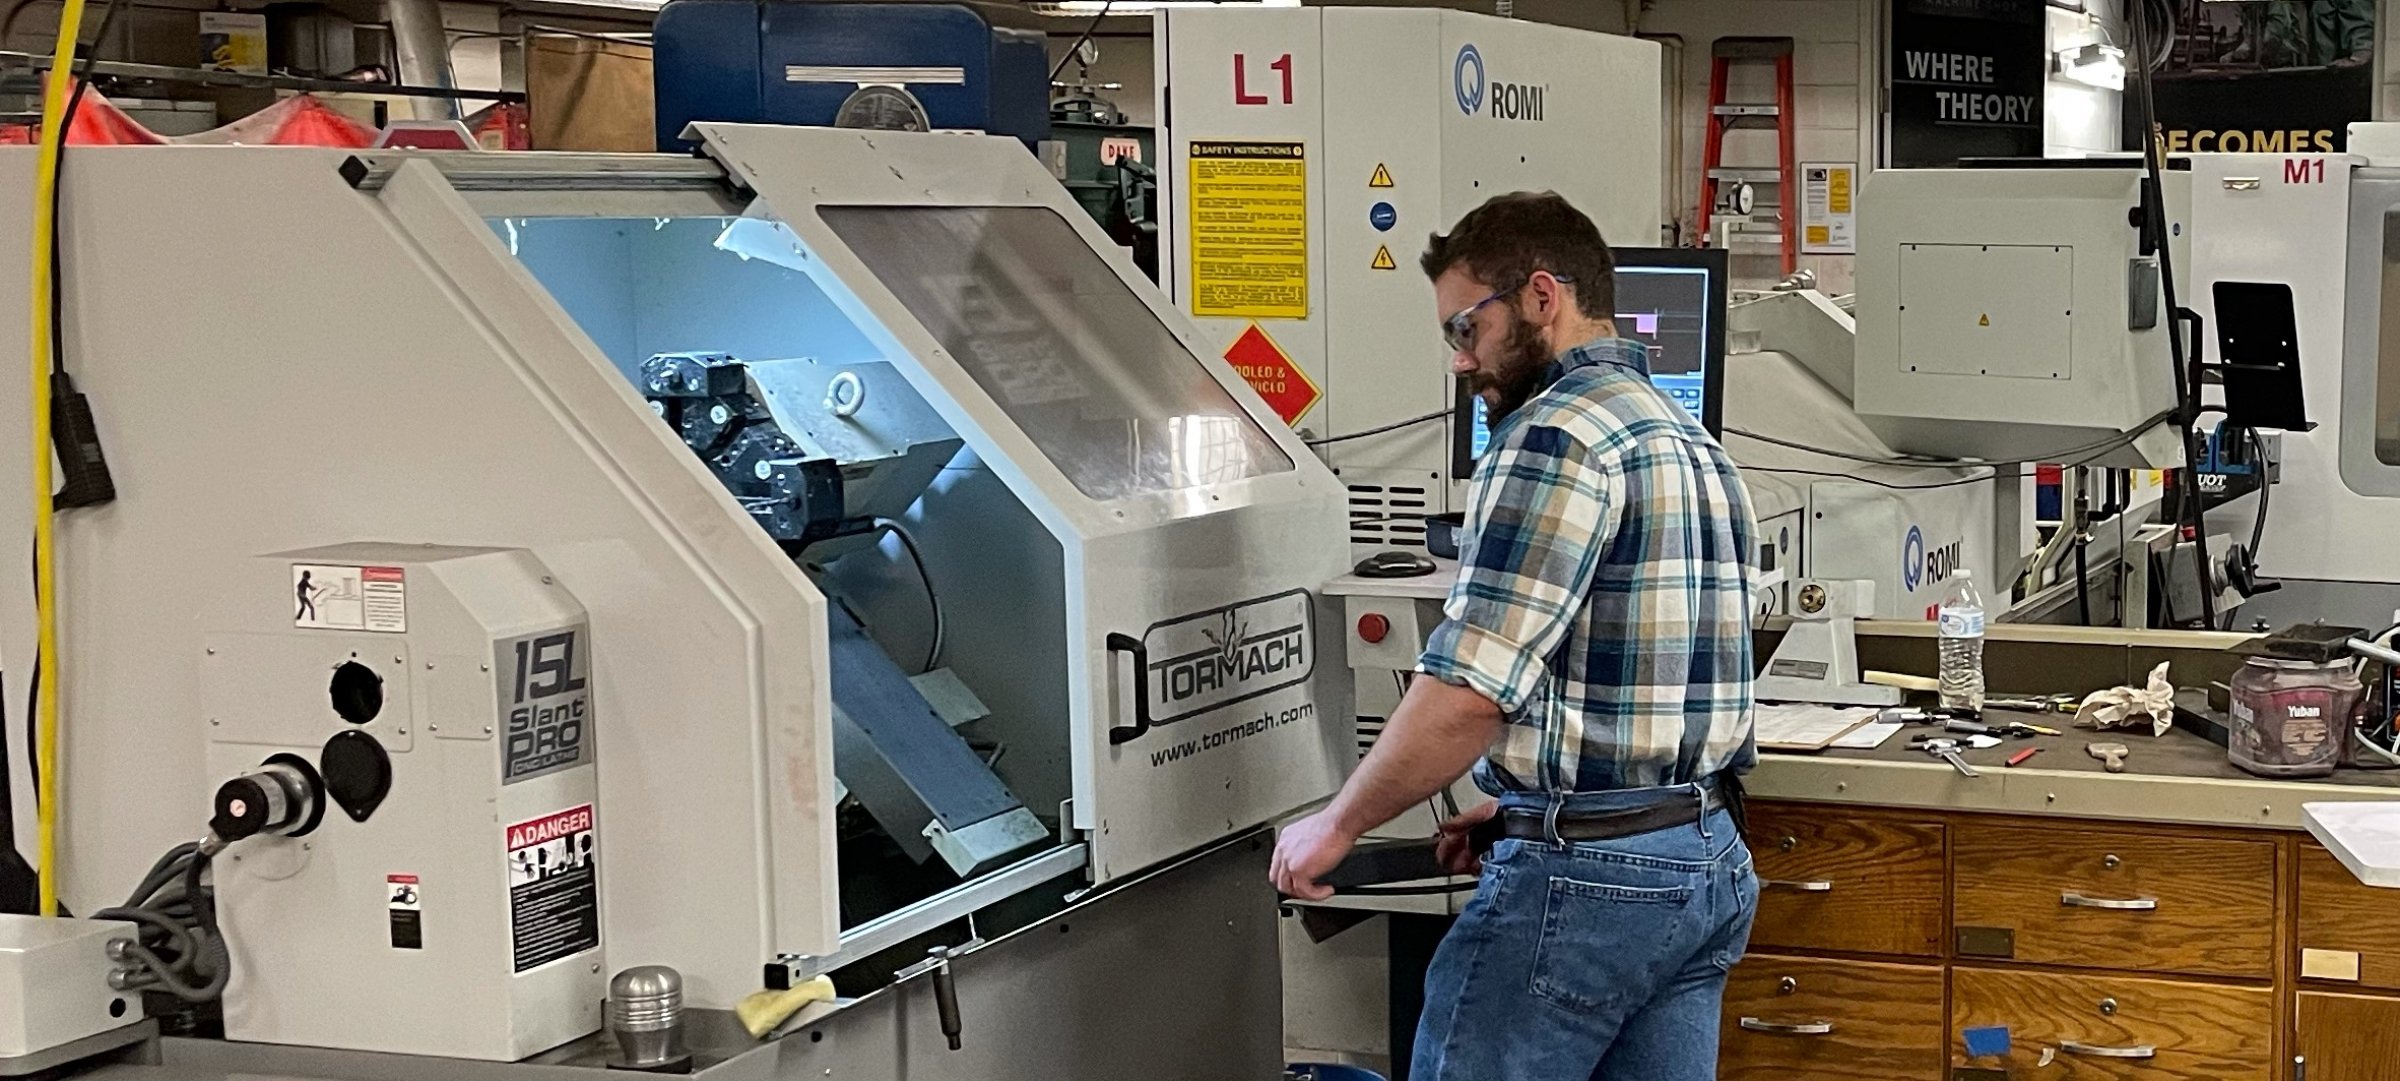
(1174, 974)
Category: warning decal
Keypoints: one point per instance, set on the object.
(1249, 229)
(1383, 259)
(350, 598)
(1382, 177)
(406, 900)
(1270, 372)
(554, 887)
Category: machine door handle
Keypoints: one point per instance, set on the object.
(1806, 1028)
(2137, 1051)
(1126, 643)
(2132, 904)
(1804, 887)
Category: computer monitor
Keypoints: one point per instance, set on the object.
(1670, 299)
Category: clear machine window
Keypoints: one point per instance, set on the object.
(1067, 350)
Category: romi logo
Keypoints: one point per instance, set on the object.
(1920, 566)
(1466, 77)
(1509, 101)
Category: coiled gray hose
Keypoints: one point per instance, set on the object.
(177, 943)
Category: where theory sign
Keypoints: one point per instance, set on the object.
(1967, 80)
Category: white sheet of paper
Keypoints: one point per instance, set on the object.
(1792, 725)
(1867, 737)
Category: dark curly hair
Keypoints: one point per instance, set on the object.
(1502, 243)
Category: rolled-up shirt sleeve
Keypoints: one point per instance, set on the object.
(1544, 512)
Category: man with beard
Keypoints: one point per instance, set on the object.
(1593, 668)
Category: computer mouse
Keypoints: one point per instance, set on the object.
(1394, 564)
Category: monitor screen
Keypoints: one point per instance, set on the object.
(1669, 299)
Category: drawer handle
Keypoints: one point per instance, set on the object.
(2136, 904)
(2137, 1051)
(1811, 1028)
(1804, 887)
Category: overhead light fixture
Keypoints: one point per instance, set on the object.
(2096, 65)
(1145, 7)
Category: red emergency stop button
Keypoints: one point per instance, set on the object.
(1373, 628)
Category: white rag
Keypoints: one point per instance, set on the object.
(2130, 707)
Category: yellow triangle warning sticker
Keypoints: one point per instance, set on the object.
(1985, 320)
(1383, 259)
(1382, 177)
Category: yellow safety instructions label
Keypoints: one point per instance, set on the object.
(1249, 229)
(1383, 259)
(1382, 177)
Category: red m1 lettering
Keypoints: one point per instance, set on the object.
(2296, 171)
(1241, 80)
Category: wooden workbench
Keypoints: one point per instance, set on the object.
(2169, 923)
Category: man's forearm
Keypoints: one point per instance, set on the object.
(1432, 739)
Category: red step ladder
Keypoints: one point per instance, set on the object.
(1718, 180)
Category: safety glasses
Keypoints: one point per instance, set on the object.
(1459, 329)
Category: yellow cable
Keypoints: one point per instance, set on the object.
(45, 751)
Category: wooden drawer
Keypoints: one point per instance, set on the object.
(1829, 880)
(2349, 932)
(1795, 1019)
(2093, 899)
(2349, 1037)
(2160, 1030)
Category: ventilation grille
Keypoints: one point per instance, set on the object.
(1388, 516)
(1369, 729)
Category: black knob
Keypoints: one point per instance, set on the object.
(283, 796)
(246, 806)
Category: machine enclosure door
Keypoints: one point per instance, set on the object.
(1205, 687)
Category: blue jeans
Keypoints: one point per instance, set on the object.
(1603, 960)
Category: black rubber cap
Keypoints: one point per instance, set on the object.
(358, 773)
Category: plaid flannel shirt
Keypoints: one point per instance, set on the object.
(1603, 591)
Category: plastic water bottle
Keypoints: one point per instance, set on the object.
(1962, 645)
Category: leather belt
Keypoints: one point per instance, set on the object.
(1682, 809)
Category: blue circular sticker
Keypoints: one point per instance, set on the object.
(1383, 216)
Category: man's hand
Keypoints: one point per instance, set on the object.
(1306, 850)
(1454, 849)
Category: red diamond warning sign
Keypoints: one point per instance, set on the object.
(1272, 374)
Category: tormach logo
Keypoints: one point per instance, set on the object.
(1215, 658)
(1509, 101)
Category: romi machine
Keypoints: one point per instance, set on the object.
(1307, 153)
(774, 563)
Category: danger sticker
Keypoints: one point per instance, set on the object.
(405, 897)
(554, 887)
(339, 598)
